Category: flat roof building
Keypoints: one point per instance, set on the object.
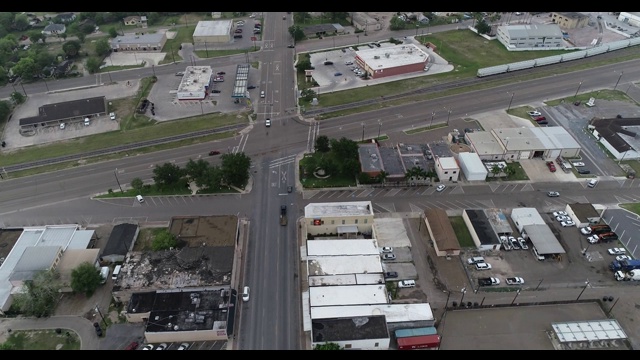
(392, 60)
(195, 83)
(210, 32)
(339, 218)
(139, 42)
(530, 37)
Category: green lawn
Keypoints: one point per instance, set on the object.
(462, 233)
(42, 340)
(633, 207)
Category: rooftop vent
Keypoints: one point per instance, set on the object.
(376, 57)
(387, 55)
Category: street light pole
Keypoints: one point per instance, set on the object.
(153, 69)
(541, 280)
(586, 284)
(619, 77)
(115, 172)
(580, 84)
(358, 36)
(362, 131)
(515, 297)
(464, 291)
(379, 127)
(448, 116)
(100, 312)
(417, 26)
(433, 113)
(510, 101)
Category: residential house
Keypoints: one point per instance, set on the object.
(54, 29)
(132, 20)
(66, 17)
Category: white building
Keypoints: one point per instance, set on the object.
(212, 32)
(447, 169)
(343, 219)
(526, 216)
(530, 37)
(533, 227)
(195, 83)
(143, 42)
(472, 167)
(631, 18)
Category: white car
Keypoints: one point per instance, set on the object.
(148, 347)
(112, 116)
(388, 256)
(387, 249)
(183, 346)
(578, 164)
(593, 239)
(523, 243)
(162, 346)
(348, 63)
(585, 230)
(440, 188)
(514, 281)
(617, 251)
(514, 243)
(567, 223)
(623, 257)
(62, 126)
(406, 283)
(534, 113)
(562, 218)
(560, 213)
(483, 266)
(267, 123)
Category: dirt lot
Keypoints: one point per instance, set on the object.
(205, 230)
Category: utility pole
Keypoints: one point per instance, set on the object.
(619, 77)
(510, 101)
(117, 180)
(99, 312)
(362, 131)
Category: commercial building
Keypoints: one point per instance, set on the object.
(65, 112)
(391, 60)
(441, 232)
(472, 167)
(485, 226)
(631, 18)
(618, 136)
(213, 32)
(570, 20)
(339, 219)
(532, 227)
(530, 37)
(583, 214)
(195, 83)
(142, 42)
(447, 169)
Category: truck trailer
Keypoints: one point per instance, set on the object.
(418, 342)
(633, 275)
(625, 265)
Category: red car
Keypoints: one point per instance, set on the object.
(539, 118)
(214, 152)
(551, 166)
(132, 346)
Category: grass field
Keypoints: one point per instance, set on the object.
(42, 340)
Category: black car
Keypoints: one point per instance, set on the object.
(216, 91)
(328, 62)
(390, 275)
(291, 46)
(214, 152)
(484, 281)
(584, 171)
(251, 87)
(221, 73)
(98, 328)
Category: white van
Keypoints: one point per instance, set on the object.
(538, 256)
(116, 272)
(245, 294)
(140, 198)
(592, 183)
(104, 272)
(406, 283)
(475, 260)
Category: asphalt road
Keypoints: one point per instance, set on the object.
(270, 320)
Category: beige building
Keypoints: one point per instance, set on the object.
(343, 219)
(570, 20)
(211, 32)
(441, 232)
(143, 42)
(447, 169)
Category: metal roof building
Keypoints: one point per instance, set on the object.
(530, 36)
(218, 31)
(472, 167)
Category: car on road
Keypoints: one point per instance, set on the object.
(132, 346)
(623, 257)
(328, 62)
(267, 123)
(289, 189)
(483, 266)
(291, 46)
(578, 164)
(514, 281)
(488, 281)
(523, 243)
(390, 275)
(216, 91)
(337, 74)
(406, 283)
(218, 79)
(262, 94)
(62, 126)
(592, 183)
(616, 251)
(387, 249)
(98, 329)
(214, 152)
(534, 113)
(583, 171)
(183, 346)
(551, 166)
(251, 87)
(221, 73)
(514, 243)
(539, 118)
(162, 346)
(440, 187)
(180, 73)
(553, 194)
(560, 213)
(567, 223)
(388, 256)
(348, 63)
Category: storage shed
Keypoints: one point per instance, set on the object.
(472, 167)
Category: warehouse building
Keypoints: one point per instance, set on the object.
(472, 167)
(212, 32)
(530, 36)
(392, 60)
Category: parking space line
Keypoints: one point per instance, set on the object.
(393, 192)
(366, 193)
(445, 205)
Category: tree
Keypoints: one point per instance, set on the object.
(87, 28)
(113, 33)
(495, 170)
(304, 64)
(322, 144)
(85, 279)
(44, 59)
(397, 24)
(164, 240)
(40, 294)
(93, 64)
(197, 171)
(301, 17)
(6, 20)
(17, 98)
(7, 44)
(63, 36)
(327, 346)
(212, 179)
(102, 47)
(5, 110)
(137, 184)
(296, 33)
(483, 27)
(167, 175)
(344, 148)
(25, 68)
(36, 36)
(235, 169)
(21, 22)
(509, 170)
(81, 36)
(71, 48)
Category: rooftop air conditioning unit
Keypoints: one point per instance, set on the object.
(386, 55)
(376, 57)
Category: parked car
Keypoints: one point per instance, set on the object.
(523, 243)
(337, 74)
(328, 62)
(578, 164)
(291, 46)
(218, 79)
(553, 194)
(388, 256)
(567, 223)
(221, 73)
(183, 346)
(514, 281)
(148, 347)
(551, 166)
(238, 31)
(534, 113)
(132, 346)
(440, 187)
(543, 122)
(593, 239)
(585, 230)
(162, 346)
(583, 171)
(62, 126)
(616, 251)
(214, 91)
(488, 281)
(506, 244)
(387, 249)
(623, 257)
(390, 275)
(406, 283)
(561, 218)
(514, 243)
(251, 87)
(474, 260)
(560, 213)
(483, 266)
(539, 118)
(348, 63)
(180, 73)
